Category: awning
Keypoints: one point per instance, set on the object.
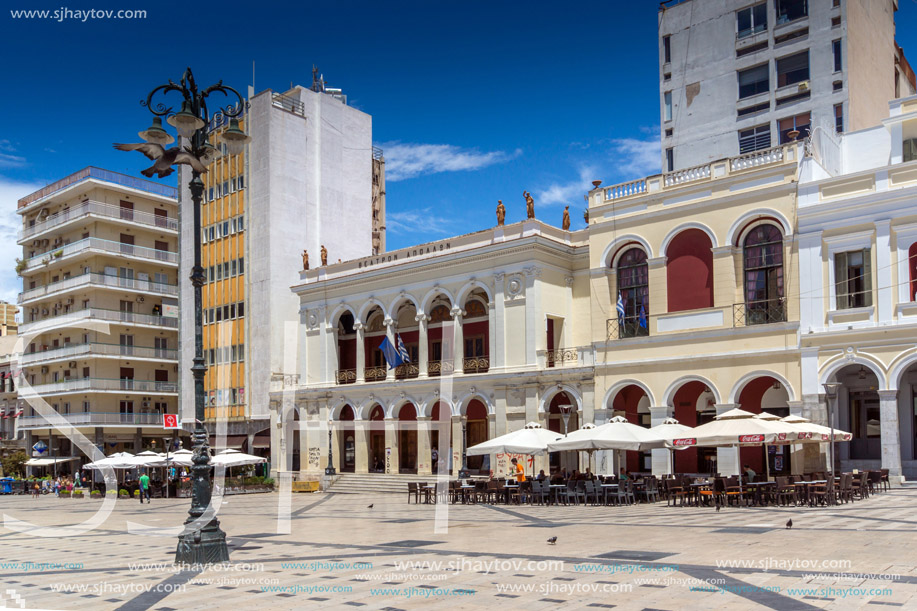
(44, 462)
(232, 441)
(262, 441)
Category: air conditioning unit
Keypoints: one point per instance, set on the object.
(36, 243)
(44, 369)
(58, 241)
(804, 86)
(45, 242)
(69, 301)
(72, 364)
(140, 299)
(44, 311)
(145, 404)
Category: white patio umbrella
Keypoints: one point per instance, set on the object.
(616, 434)
(533, 439)
(235, 458)
(668, 428)
(118, 460)
(182, 458)
(815, 432)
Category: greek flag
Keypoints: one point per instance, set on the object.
(391, 354)
(642, 321)
(403, 351)
(620, 306)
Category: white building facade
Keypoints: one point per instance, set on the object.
(858, 321)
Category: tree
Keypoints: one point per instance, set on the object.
(13, 464)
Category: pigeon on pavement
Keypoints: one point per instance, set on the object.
(789, 523)
(371, 506)
(552, 540)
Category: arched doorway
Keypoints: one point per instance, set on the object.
(475, 433)
(294, 427)
(858, 413)
(635, 405)
(408, 330)
(476, 334)
(560, 404)
(377, 462)
(347, 349)
(348, 440)
(760, 394)
(441, 431)
(439, 347)
(374, 332)
(694, 405)
(407, 438)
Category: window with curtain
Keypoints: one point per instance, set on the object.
(853, 279)
(763, 260)
(754, 81)
(634, 292)
(793, 69)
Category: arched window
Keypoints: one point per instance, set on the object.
(763, 257)
(689, 271)
(633, 293)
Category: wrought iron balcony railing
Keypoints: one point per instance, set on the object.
(346, 376)
(759, 312)
(476, 364)
(435, 368)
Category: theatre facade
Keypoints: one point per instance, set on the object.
(496, 327)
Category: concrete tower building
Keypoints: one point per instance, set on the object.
(310, 178)
(100, 309)
(737, 76)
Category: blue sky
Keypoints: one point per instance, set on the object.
(472, 101)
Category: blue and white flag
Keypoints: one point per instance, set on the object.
(403, 351)
(391, 354)
(642, 321)
(620, 306)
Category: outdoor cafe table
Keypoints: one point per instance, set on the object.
(606, 488)
(758, 487)
(555, 489)
(508, 488)
(428, 491)
(466, 490)
(695, 491)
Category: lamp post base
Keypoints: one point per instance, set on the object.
(206, 546)
(330, 471)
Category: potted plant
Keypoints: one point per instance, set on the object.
(95, 494)
(64, 494)
(77, 494)
(122, 494)
(20, 266)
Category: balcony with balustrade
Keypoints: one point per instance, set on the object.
(97, 246)
(89, 211)
(79, 318)
(698, 175)
(101, 385)
(94, 280)
(92, 419)
(45, 355)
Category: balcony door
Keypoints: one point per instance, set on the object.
(162, 379)
(127, 244)
(127, 210)
(161, 344)
(127, 344)
(127, 311)
(126, 277)
(127, 411)
(127, 378)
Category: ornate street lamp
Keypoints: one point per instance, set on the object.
(329, 470)
(831, 398)
(463, 472)
(202, 541)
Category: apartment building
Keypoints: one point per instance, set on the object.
(99, 332)
(858, 247)
(738, 76)
(310, 178)
(11, 440)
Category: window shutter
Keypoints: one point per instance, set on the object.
(867, 278)
(840, 279)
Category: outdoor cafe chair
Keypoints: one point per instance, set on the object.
(572, 492)
(540, 492)
(785, 491)
(874, 481)
(589, 491)
(884, 480)
(734, 491)
(651, 491)
(413, 489)
(626, 493)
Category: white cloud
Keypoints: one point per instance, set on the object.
(420, 221)
(10, 224)
(636, 158)
(569, 192)
(407, 160)
(7, 159)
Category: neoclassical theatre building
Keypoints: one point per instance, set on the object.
(497, 328)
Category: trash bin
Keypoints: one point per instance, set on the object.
(6, 485)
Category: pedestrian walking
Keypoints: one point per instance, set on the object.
(36, 490)
(145, 488)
